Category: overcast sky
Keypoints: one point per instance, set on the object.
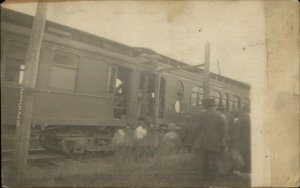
(179, 30)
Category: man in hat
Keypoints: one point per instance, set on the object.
(208, 142)
(226, 139)
(171, 141)
(186, 132)
(241, 137)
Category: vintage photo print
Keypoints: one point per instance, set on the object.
(150, 93)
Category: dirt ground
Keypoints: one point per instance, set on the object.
(101, 170)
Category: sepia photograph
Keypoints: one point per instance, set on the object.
(149, 93)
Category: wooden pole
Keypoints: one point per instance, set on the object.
(206, 71)
(26, 95)
(219, 69)
(157, 102)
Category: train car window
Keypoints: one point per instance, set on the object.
(201, 96)
(196, 96)
(17, 51)
(225, 101)
(237, 103)
(180, 90)
(14, 70)
(218, 98)
(246, 103)
(112, 79)
(64, 71)
(231, 106)
(234, 104)
(15, 64)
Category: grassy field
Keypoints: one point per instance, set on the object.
(102, 171)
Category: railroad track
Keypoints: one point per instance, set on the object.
(42, 154)
(33, 154)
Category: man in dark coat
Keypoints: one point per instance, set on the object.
(241, 136)
(208, 140)
(186, 133)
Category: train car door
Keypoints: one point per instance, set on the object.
(120, 87)
(146, 95)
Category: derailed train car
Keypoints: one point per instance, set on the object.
(88, 86)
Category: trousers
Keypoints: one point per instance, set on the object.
(205, 162)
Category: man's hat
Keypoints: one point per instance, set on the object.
(208, 102)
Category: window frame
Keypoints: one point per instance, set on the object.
(5, 51)
(220, 97)
(226, 99)
(180, 90)
(235, 103)
(198, 93)
(111, 81)
(55, 64)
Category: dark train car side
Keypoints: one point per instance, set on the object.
(76, 81)
(183, 92)
(87, 86)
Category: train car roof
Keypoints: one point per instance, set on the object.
(26, 20)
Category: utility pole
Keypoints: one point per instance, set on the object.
(157, 103)
(219, 69)
(24, 120)
(206, 71)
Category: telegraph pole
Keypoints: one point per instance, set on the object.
(24, 119)
(157, 103)
(219, 69)
(206, 71)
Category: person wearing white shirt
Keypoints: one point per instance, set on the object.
(140, 134)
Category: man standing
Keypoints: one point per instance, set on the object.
(186, 130)
(241, 137)
(171, 141)
(208, 141)
(226, 139)
(140, 134)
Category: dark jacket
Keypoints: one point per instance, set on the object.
(209, 131)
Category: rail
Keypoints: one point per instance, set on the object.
(33, 154)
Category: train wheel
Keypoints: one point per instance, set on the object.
(44, 142)
(73, 146)
(67, 146)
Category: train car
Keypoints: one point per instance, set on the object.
(88, 86)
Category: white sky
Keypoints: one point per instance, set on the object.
(235, 29)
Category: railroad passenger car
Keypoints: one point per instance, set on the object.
(87, 86)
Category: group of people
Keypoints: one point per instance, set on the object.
(219, 141)
(134, 143)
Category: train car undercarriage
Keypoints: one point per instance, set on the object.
(76, 140)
